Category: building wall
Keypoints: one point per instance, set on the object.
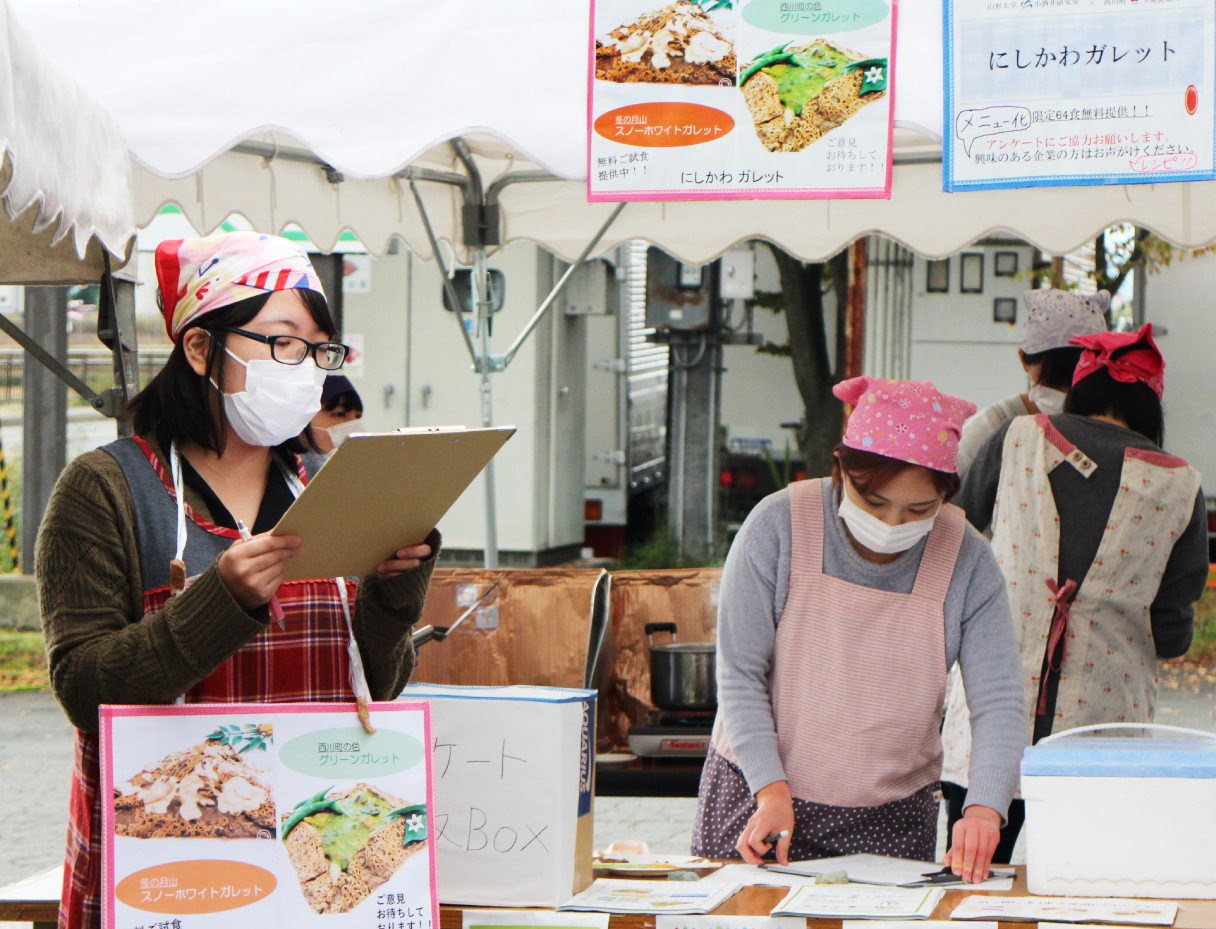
(955, 342)
(1179, 298)
(442, 389)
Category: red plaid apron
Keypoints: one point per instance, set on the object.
(304, 661)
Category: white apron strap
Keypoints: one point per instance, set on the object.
(177, 567)
(358, 677)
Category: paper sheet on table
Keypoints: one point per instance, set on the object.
(752, 875)
(673, 897)
(1048, 910)
(728, 922)
(881, 870)
(531, 919)
(900, 924)
(650, 862)
(859, 901)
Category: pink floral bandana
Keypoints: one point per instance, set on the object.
(197, 276)
(908, 420)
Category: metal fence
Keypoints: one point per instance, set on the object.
(93, 366)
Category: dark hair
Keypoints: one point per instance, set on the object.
(347, 400)
(1058, 365)
(870, 472)
(1136, 404)
(178, 406)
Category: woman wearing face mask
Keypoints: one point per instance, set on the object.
(341, 410)
(148, 593)
(843, 603)
(1056, 318)
(1103, 539)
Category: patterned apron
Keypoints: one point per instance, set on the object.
(306, 658)
(858, 680)
(1109, 671)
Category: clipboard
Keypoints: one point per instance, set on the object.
(380, 492)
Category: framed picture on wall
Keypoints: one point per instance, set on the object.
(937, 276)
(971, 278)
(1005, 264)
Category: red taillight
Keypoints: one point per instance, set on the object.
(726, 478)
(1211, 520)
(593, 510)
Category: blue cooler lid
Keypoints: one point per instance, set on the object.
(1109, 756)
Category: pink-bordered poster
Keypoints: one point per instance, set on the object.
(740, 99)
(267, 815)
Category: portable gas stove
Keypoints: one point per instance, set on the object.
(673, 735)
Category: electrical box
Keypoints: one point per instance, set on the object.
(462, 283)
(588, 291)
(738, 280)
(678, 296)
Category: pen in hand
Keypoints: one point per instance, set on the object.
(774, 836)
(276, 609)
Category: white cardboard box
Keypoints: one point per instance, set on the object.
(1121, 817)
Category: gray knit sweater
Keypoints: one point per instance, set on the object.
(978, 627)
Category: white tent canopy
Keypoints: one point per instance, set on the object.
(376, 88)
(66, 176)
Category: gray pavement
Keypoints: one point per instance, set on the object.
(37, 745)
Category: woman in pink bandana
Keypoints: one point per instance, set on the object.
(149, 591)
(843, 602)
(1102, 537)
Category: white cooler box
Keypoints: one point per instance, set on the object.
(1121, 816)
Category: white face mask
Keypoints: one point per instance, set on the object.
(879, 537)
(343, 431)
(1047, 399)
(278, 400)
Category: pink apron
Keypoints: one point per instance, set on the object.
(859, 675)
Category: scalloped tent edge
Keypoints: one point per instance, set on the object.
(273, 193)
(66, 176)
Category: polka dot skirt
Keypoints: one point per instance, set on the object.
(904, 828)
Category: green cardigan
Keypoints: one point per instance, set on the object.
(101, 647)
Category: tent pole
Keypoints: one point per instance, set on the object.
(484, 305)
(52, 364)
(448, 288)
(499, 363)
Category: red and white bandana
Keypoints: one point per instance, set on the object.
(197, 276)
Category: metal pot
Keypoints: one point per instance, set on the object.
(681, 673)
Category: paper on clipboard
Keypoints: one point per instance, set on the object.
(380, 492)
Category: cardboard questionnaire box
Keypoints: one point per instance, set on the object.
(514, 786)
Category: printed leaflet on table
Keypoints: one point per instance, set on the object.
(1056, 92)
(1047, 910)
(289, 814)
(740, 99)
(673, 897)
(886, 871)
(859, 901)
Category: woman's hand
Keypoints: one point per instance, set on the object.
(252, 571)
(776, 814)
(974, 840)
(407, 559)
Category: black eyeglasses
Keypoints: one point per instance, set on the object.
(292, 350)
